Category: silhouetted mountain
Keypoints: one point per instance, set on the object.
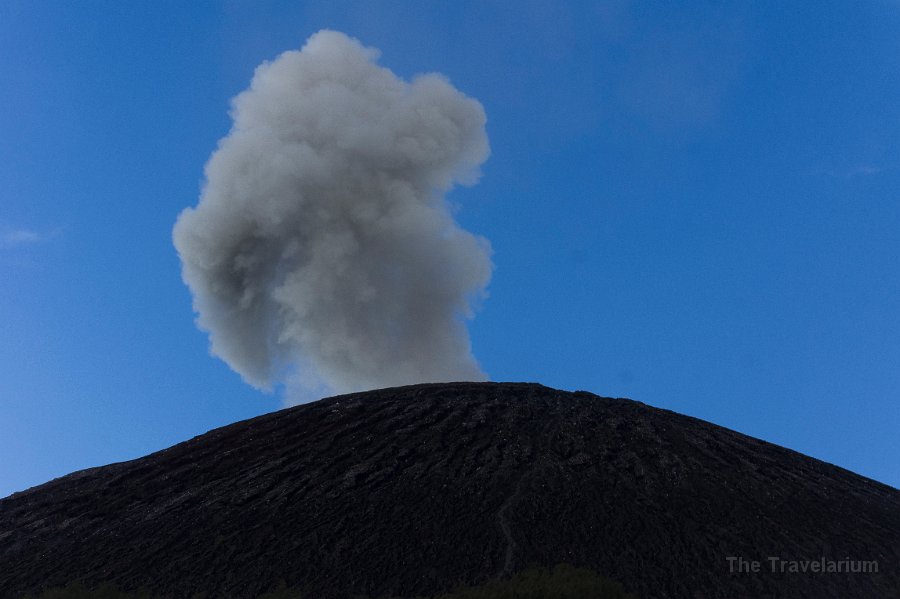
(413, 490)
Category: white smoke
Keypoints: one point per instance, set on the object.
(322, 254)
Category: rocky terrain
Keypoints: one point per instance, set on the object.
(413, 490)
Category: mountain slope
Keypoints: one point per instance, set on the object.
(412, 490)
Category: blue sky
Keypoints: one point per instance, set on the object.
(692, 206)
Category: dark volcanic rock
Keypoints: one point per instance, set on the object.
(413, 490)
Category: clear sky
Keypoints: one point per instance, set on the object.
(692, 206)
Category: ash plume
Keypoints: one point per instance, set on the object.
(322, 254)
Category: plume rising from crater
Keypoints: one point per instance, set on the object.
(322, 253)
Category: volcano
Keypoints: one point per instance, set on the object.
(413, 490)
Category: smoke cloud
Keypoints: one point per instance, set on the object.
(322, 254)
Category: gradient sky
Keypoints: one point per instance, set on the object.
(692, 206)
